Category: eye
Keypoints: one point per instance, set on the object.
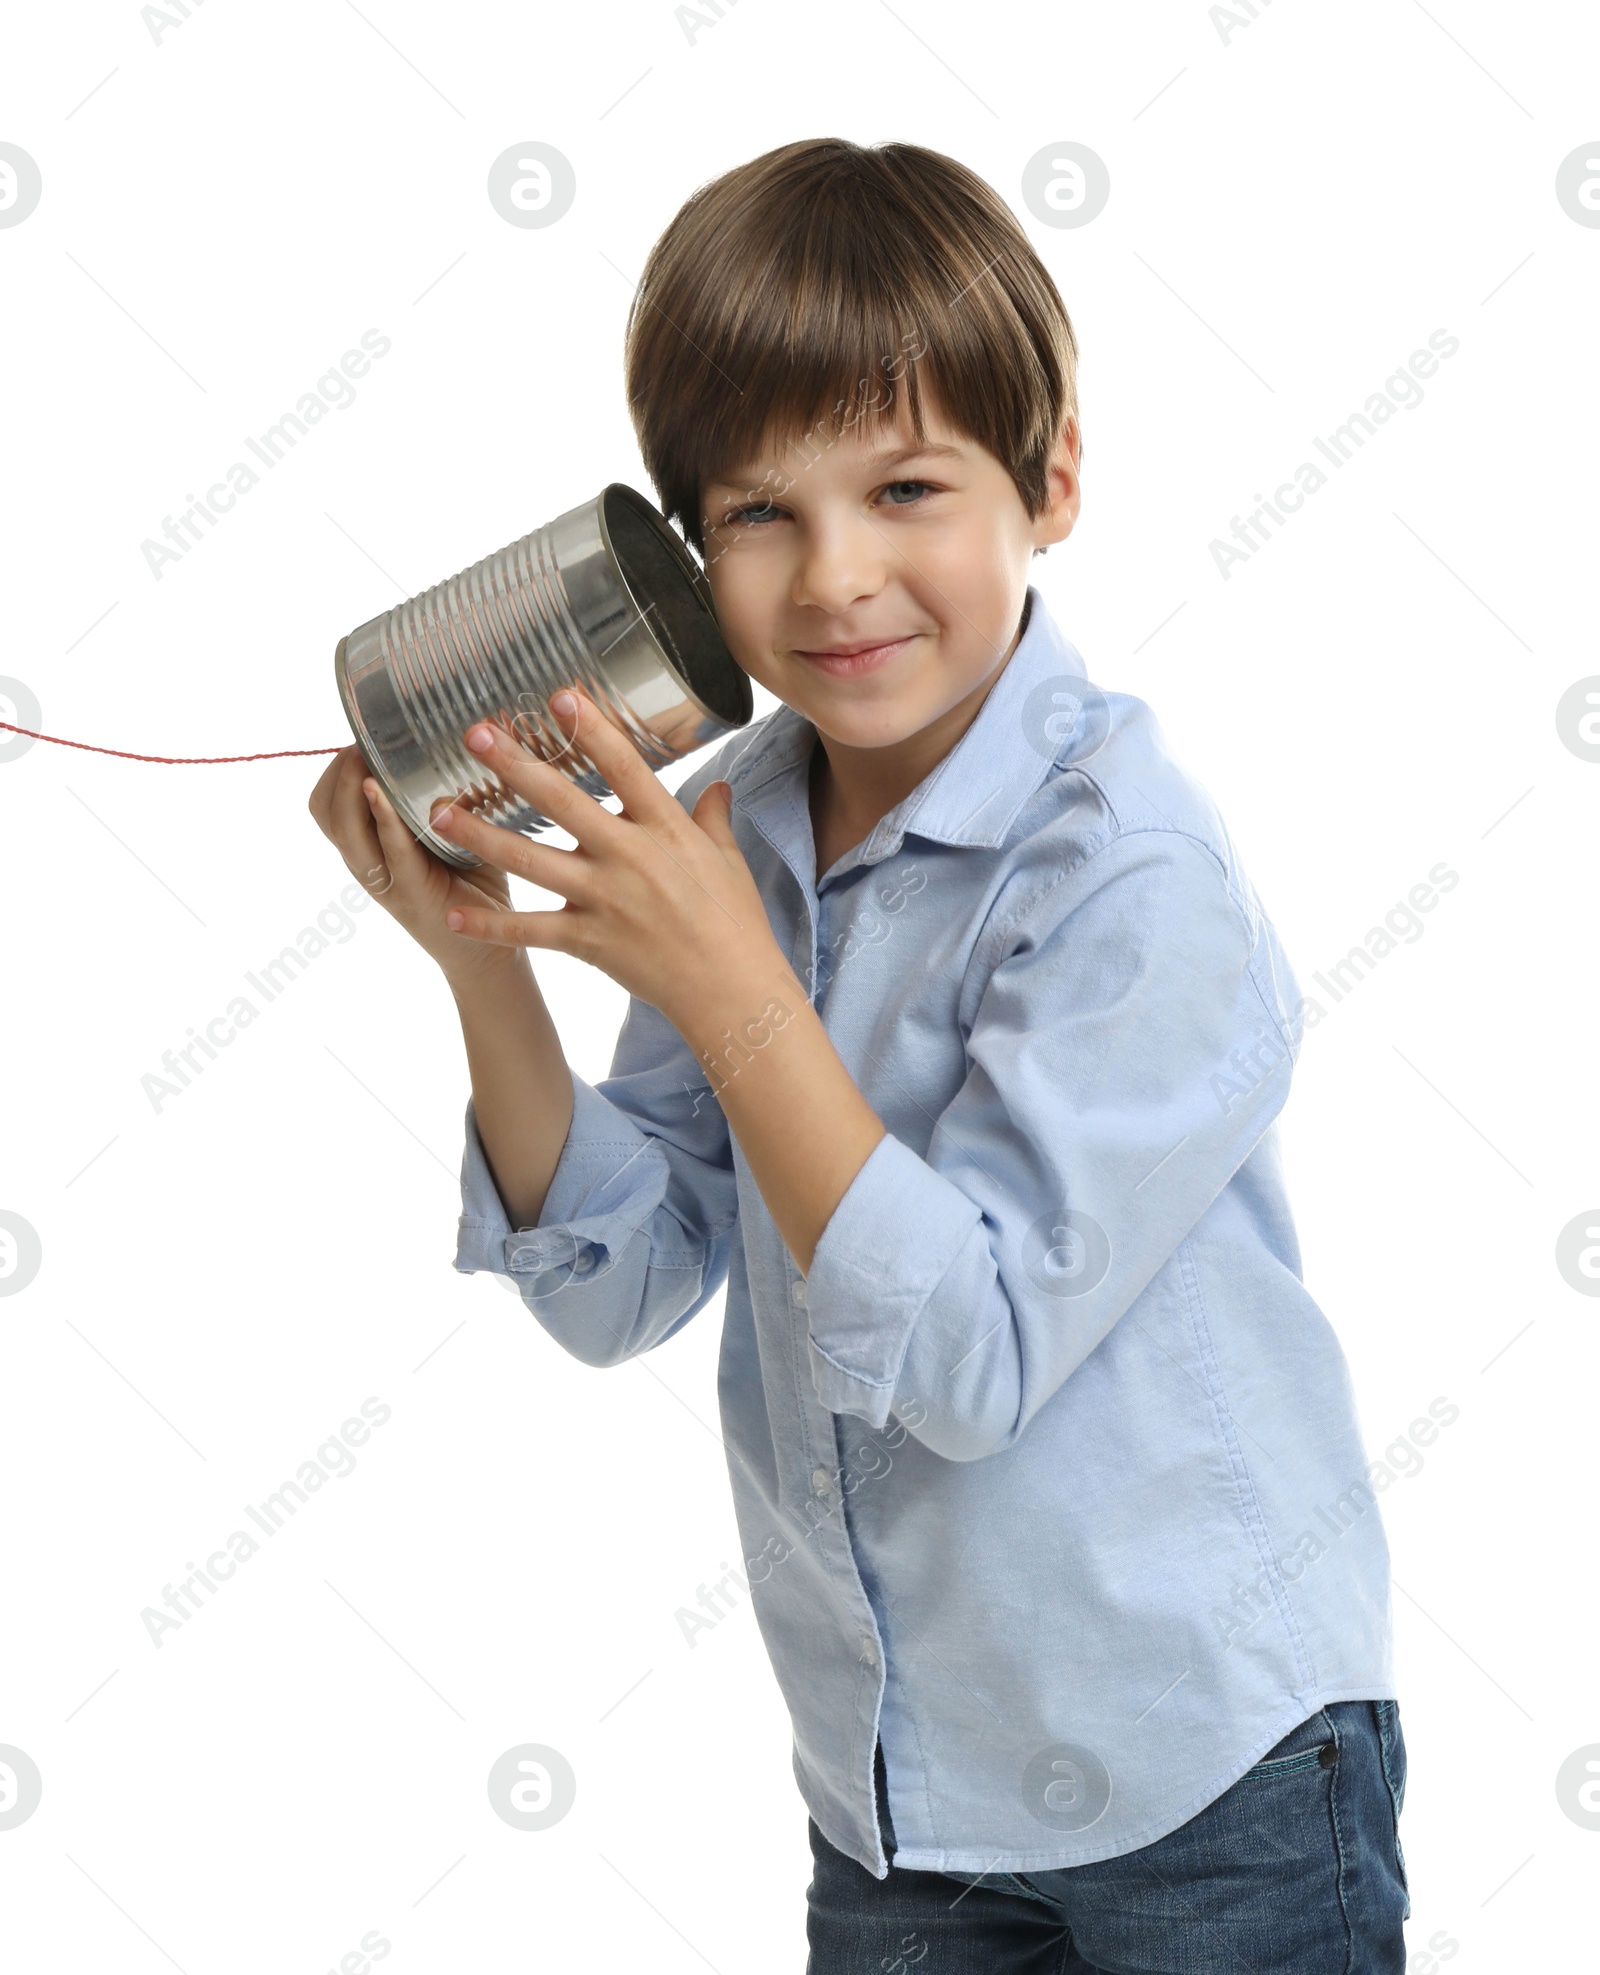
(757, 514)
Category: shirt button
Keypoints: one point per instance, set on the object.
(821, 1480)
(798, 1292)
(583, 1263)
(869, 1653)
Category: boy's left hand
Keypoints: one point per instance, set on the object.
(661, 901)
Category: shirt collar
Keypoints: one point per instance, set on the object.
(1020, 733)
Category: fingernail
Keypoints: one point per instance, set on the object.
(370, 791)
(442, 821)
(564, 704)
(455, 921)
(480, 739)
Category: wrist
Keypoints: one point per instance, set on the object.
(491, 977)
(742, 1009)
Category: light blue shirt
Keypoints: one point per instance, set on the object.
(1048, 1473)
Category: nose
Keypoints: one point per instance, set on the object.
(841, 562)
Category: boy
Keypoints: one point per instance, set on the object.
(955, 1043)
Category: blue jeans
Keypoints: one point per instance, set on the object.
(1296, 1870)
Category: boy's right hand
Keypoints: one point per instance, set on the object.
(412, 885)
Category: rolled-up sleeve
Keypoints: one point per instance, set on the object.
(635, 1233)
(1130, 1045)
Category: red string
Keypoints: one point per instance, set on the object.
(171, 760)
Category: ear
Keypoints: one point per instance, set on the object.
(1058, 517)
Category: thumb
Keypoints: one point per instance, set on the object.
(711, 813)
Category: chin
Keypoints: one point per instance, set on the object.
(865, 726)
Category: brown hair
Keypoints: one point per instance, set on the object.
(782, 290)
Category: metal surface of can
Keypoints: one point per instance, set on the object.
(606, 597)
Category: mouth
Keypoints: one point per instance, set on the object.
(852, 661)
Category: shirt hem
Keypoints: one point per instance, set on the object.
(988, 1862)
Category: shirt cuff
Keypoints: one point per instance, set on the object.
(862, 1314)
(609, 1181)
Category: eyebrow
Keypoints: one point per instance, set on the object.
(874, 462)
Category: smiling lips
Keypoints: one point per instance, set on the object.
(851, 661)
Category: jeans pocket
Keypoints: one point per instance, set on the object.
(1310, 1745)
(1392, 1747)
(1392, 1754)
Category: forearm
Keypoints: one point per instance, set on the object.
(801, 1122)
(521, 1085)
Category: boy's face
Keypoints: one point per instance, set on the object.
(853, 537)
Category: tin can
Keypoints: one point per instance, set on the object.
(606, 597)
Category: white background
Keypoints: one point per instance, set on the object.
(1295, 207)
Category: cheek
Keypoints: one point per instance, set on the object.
(731, 572)
(742, 595)
(971, 653)
(987, 590)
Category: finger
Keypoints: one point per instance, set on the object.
(624, 770)
(713, 813)
(508, 850)
(320, 802)
(352, 825)
(552, 790)
(330, 798)
(402, 858)
(549, 930)
(544, 786)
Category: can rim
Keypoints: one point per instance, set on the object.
(648, 512)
